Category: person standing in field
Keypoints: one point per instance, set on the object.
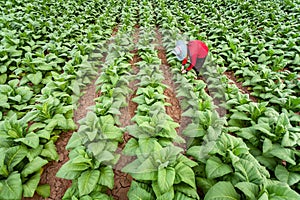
(192, 55)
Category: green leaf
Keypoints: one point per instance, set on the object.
(43, 190)
(187, 190)
(11, 187)
(14, 156)
(194, 130)
(262, 58)
(204, 184)
(3, 78)
(34, 166)
(35, 78)
(109, 130)
(185, 160)
(181, 196)
(285, 176)
(136, 192)
(49, 151)
(222, 191)
(166, 177)
(107, 177)
(216, 168)
(88, 181)
(131, 147)
(31, 139)
(185, 174)
(281, 192)
(167, 195)
(30, 185)
(74, 141)
(240, 116)
(283, 153)
(71, 170)
(251, 190)
(142, 171)
(247, 172)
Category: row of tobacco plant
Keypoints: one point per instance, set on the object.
(261, 159)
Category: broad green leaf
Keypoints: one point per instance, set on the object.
(131, 147)
(222, 191)
(35, 78)
(251, 190)
(194, 130)
(142, 171)
(3, 78)
(49, 151)
(216, 168)
(30, 185)
(185, 160)
(283, 153)
(104, 156)
(277, 191)
(204, 184)
(43, 190)
(96, 147)
(240, 116)
(181, 196)
(107, 177)
(166, 177)
(87, 181)
(136, 192)
(187, 190)
(262, 58)
(167, 195)
(74, 141)
(31, 139)
(285, 176)
(247, 172)
(71, 170)
(185, 174)
(14, 156)
(11, 187)
(34, 166)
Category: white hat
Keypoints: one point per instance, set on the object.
(180, 50)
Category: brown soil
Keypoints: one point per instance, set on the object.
(58, 186)
(122, 181)
(174, 110)
(230, 75)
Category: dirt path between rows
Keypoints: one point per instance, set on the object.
(122, 181)
(174, 110)
(244, 90)
(58, 186)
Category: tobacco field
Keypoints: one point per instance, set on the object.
(93, 104)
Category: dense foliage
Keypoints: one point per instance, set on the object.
(50, 50)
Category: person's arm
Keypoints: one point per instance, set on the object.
(193, 61)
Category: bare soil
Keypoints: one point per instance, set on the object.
(174, 110)
(58, 186)
(230, 75)
(122, 181)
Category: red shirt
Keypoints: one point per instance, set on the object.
(196, 49)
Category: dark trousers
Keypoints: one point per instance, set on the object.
(199, 64)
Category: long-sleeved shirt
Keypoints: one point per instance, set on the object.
(196, 49)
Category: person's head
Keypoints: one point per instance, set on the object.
(180, 50)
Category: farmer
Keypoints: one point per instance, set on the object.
(194, 53)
